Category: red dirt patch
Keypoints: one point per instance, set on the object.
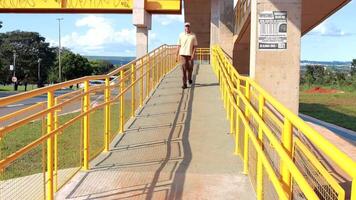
(320, 90)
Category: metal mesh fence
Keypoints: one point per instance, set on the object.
(314, 177)
(269, 191)
(70, 145)
(25, 174)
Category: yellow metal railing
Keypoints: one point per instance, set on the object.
(43, 145)
(202, 55)
(283, 155)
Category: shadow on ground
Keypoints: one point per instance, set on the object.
(151, 158)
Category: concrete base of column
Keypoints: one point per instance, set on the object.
(141, 41)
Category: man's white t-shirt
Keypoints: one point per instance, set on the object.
(186, 42)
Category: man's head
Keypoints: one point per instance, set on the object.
(187, 27)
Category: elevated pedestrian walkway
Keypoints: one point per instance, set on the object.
(142, 137)
(177, 147)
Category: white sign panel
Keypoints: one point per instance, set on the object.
(11, 68)
(272, 30)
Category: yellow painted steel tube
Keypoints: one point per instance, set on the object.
(264, 160)
(141, 85)
(247, 93)
(133, 90)
(287, 141)
(299, 178)
(259, 181)
(340, 158)
(19, 112)
(107, 116)
(237, 135)
(316, 163)
(148, 70)
(86, 126)
(353, 189)
(122, 106)
(50, 146)
(55, 153)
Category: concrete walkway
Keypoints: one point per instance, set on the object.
(178, 147)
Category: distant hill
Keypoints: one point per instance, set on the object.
(335, 65)
(115, 60)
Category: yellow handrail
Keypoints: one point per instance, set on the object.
(160, 61)
(231, 84)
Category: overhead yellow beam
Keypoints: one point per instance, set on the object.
(79, 6)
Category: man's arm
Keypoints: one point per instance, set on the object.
(195, 46)
(193, 52)
(177, 54)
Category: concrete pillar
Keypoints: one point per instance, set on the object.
(277, 70)
(214, 24)
(226, 25)
(141, 41)
(241, 58)
(142, 20)
(197, 12)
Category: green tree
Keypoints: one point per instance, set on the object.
(29, 47)
(100, 67)
(73, 66)
(353, 67)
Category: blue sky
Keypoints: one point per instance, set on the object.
(114, 35)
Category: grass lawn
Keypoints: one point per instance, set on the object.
(69, 142)
(21, 88)
(338, 108)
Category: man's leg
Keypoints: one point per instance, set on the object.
(184, 70)
(190, 70)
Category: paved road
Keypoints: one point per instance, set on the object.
(343, 132)
(95, 98)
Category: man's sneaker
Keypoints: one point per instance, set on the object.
(190, 82)
(184, 87)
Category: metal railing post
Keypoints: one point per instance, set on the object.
(148, 76)
(122, 103)
(287, 142)
(141, 82)
(237, 129)
(200, 55)
(107, 115)
(154, 74)
(353, 189)
(259, 181)
(246, 134)
(86, 126)
(133, 89)
(50, 146)
(55, 155)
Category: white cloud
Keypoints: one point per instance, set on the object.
(96, 35)
(165, 20)
(328, 29)
(100, 33)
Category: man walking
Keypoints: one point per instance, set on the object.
(186, 50)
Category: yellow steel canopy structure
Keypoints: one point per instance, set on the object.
(87, 6)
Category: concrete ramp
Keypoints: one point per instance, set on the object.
(178, 147)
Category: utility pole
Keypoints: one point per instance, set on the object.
(59, 49)
(39, 73)
(14, 74)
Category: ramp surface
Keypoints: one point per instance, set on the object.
(178, 147)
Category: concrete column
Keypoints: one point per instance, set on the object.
(226, 25)
(142, 20)
(278, 71)
(141, 41)
(214, 24)
(197, 12)
(241, 58)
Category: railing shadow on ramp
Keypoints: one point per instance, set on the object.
(149, 160)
